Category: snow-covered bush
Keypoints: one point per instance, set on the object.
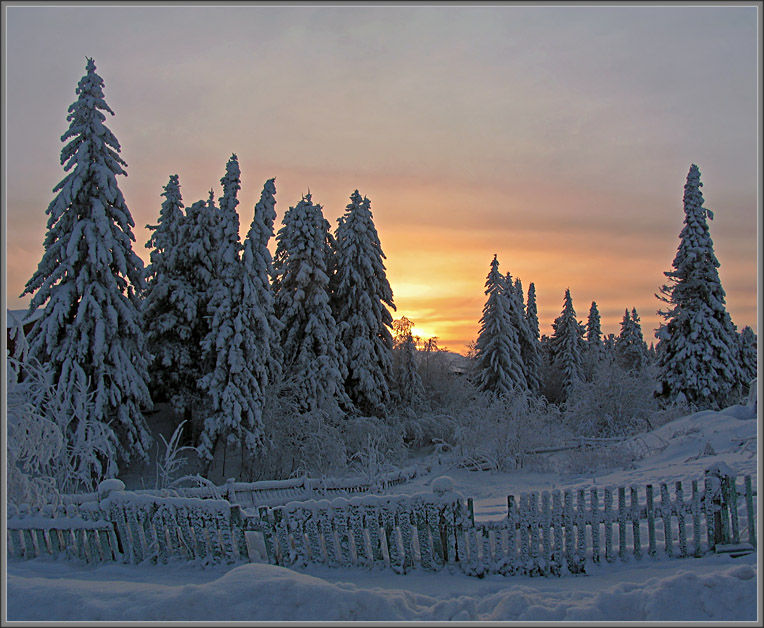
(373, 447)
(427, 429)
(321, 450)
(34, 444)
(617, 402)
(501, 433)
(54, 444)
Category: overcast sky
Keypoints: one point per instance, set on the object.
(558, 138)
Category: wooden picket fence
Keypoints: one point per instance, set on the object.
(133, 528)
(557, 531)
(547, 533)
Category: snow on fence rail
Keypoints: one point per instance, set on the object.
(272, 492)
(542, 534)
(135, 528)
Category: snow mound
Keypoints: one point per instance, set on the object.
(258, 592)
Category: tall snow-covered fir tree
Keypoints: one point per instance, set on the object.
(594, 349)
(630, 346)
(518, 287)
(530, 359)
(236, 383)
(361, 296)
(258, 271)
(594, 328)
(198, 266)
(168, 305)
(499, 364)
(89, 279)
(566, 347)
(312, 359)
(531, 312)
(697, 342)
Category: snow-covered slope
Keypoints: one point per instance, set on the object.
(716, 587)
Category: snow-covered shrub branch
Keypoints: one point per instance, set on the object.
(54, 445)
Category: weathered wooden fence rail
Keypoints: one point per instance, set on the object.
(543, 533)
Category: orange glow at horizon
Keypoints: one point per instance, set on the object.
(438, 256)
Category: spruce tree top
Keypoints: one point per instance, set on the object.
(593, 329)
(695, 259)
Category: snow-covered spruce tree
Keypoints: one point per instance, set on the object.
(89, 279)
(566, 347)
(198, 265)
(530, 360)
(499, 365)
(236, 383)
(593, 328)
(697, 344)
(518, 287)
(748, 345)
(312, 360)
(531, 312)
(168, 305)
(630, 346)
(361, 296)
(258, 271)
(594, 349)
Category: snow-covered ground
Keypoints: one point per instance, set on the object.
(712, 588)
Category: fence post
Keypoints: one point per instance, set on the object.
(622, 524)
(680, 519)
(230, 494)
(608, 518)
(650, 511)
(749, 511)
(512, 522)
(731, 498)
(118, 533)
(717, 480)
(696, 519)
(634, 502)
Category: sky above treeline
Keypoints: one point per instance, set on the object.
(557, 137)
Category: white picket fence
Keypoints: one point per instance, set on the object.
(543, 533)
